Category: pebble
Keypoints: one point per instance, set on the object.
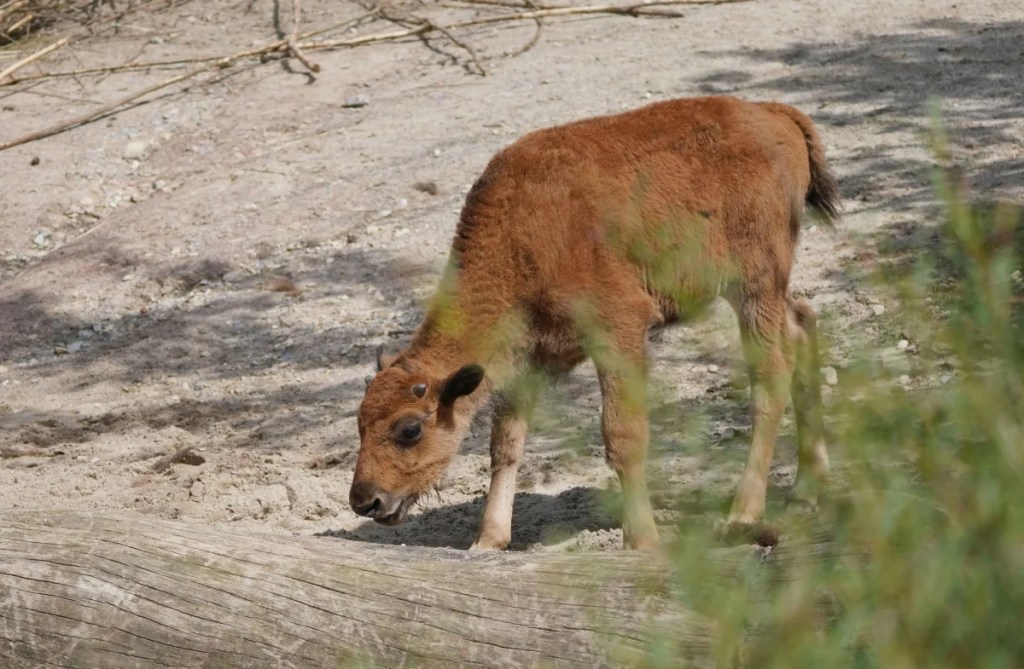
(234, 276)
(830, 375)
(60, 350)
(134, 151)
(903, 344)
(945, 378)
(728, 433)
(877, 309)
(437, 153)
(355, 102)
(904, 380)
(41, 239)
(75, 346)
(713, 369)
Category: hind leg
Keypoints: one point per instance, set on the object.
(812, 455)
(770, 361)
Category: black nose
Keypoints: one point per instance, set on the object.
(363, 499)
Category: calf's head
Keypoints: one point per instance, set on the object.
(410, 427)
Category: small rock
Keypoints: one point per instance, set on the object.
(355, 102)
(877, 309)
(134, 151)
(904, 380)
(428, 187)
(60, 350)
(34, 161)
(713, 369)
(902, 344)
(830, 375)
(728, 433)
(945, 378)
(234, 276)
(75, 346)
(42, 238)
(372, 229)
(383, 213)
(437, 153)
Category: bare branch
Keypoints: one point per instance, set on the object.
(32, 57)
(293, 46)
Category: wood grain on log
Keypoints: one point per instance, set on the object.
(82, 590)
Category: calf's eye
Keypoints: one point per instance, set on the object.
(408, 433)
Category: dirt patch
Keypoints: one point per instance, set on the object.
(213, 270)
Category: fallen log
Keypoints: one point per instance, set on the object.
(83, 590)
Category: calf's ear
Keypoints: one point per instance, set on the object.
(384, 360)
(460, 383)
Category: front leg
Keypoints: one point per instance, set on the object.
(508, 434)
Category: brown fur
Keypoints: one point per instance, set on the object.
(573, 243)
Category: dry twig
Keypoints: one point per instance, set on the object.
(105, 109)
(652, 9)
(536, 33)
(183, 455)
(430, 26)
(35, 56)
(290, 44)
(459, 43)
(293, 40)
(130, 67)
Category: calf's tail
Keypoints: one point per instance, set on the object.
(823, 192)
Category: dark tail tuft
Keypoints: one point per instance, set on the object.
(823, 193)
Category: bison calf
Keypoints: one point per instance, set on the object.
(572, 244)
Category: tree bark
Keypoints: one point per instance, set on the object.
(82, 590)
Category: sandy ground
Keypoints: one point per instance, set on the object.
(215, 268)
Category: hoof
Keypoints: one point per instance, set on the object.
(736, 533)
(483, 545)
(644, 540)
(803, 496)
